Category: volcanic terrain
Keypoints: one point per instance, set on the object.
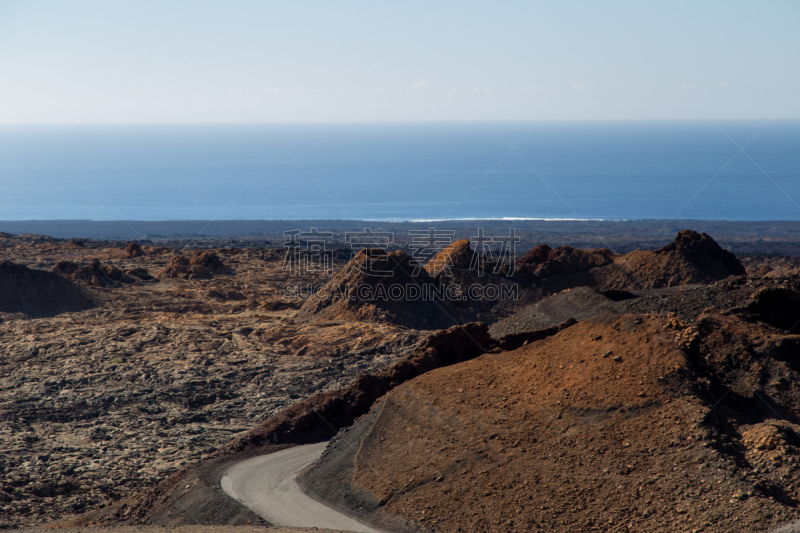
(121, 364)
(655, 390)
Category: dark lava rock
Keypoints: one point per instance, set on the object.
(703, 252)
(38, 293)
(778, 306)
(140, 273)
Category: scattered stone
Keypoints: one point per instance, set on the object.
(134, 250)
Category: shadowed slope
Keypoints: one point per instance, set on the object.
(38, 293)
(376, 286)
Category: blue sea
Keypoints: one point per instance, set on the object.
(403, 171)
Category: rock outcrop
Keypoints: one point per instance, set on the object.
(133, 250)
(96, 274)
(376, 286)
(691, 258)
(37, 293)
(564, 259)
(457, 255)
(200, 265)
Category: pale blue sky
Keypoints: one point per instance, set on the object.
(61, 62)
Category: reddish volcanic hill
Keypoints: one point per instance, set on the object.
(490, 288)
(377, 286)
(457, 255)
(37, 293)
(565, 259)
(618, 423)
(691, 258)
(133, 250)
(495, 293)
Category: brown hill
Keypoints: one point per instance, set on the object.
(618, 423)
(133, 250)
(565, 259)
(537, 256)
(37, 293)
(691, 258)
(457, 255)
(489, 294)
(376, 286)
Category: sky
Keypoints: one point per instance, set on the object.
(142, 61)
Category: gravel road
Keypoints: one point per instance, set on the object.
(267, 485)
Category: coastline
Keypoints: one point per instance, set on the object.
(740, 237)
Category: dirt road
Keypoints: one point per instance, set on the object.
(267, 485)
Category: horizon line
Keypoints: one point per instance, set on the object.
(448, 121)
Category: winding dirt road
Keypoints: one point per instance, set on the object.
(267, 485)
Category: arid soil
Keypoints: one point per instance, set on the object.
(618, 423)
(175, 362)
(193, 494)
(99, 403)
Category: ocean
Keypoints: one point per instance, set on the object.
(403, 171)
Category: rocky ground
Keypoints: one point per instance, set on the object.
(176, 354)
(180, 529)
(100, 403)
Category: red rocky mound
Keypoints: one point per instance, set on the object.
(487, 284)
(96, 274)
(691, 258)
(200, 265)
(457, 255)
(537, 256)
(565, 259)
(377, 286)
(37, 293)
